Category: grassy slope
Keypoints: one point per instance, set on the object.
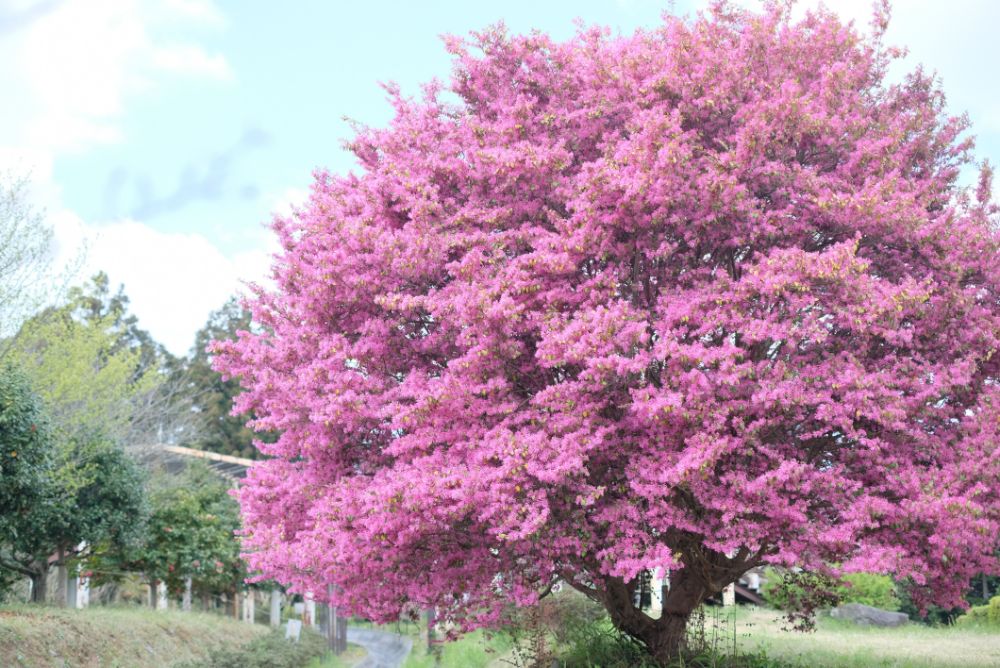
(839, 644)
(43, 637)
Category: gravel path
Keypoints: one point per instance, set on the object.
(385, 650)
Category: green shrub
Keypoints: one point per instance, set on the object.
(878, 591)
(593, 643)
(785, 591)
(267, 651)
(983, 615)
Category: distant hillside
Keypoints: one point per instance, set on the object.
(42, 637)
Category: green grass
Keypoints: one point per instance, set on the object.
(473, 650)
(351, 657)
(841, 644)
(45, 637)
(835, 644)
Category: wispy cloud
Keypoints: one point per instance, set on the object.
(193, 60)
(202, 11)
(79, 62)
(13, 18)
(205, 181)
(173, 280)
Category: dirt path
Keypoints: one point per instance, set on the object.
(385, 650)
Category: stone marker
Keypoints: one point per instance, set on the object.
(293, 630)
(865, 615)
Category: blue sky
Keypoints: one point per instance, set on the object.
(163, 134)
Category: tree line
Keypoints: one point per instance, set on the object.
(86, 398)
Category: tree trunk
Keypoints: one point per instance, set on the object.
(39, 586)
(683, 591)
(664, 638)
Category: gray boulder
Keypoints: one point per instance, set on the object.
(865, 615)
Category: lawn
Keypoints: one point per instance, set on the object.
(473, 650)
(834, 644)
(840, 644)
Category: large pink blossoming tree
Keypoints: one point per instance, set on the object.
(696, 300)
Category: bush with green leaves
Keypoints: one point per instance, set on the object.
(876, 590)
(191, 533)
(983, 615)
(25, 464)
(785, 590)
(85, 493)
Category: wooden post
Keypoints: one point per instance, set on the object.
(186, 601)
(83, 593)
(62, 578)
(72, 589)
(729, 594)
(161, 596)
(309, 618)
(275, 608)
(333, 624)
(430, 629)
(342, 633)
(249, 605)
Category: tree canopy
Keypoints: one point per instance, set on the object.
(85, 494)
(212, 395)
(694, 300)
(97, 370)
(25, 254)
(190, 534)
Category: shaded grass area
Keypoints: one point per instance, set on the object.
(352, 657)
(271, 651)
(473, 650)
(97, 637)
(841, 644)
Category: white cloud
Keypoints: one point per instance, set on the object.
(203, 11)
(191, 60)
(172, 280)
(79, 62)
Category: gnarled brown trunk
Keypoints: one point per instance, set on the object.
(664, 638)
(706, 572)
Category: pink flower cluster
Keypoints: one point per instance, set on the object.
(625, 303)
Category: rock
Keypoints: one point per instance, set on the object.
(865, 615)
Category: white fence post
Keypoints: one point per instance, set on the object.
(275, 608)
